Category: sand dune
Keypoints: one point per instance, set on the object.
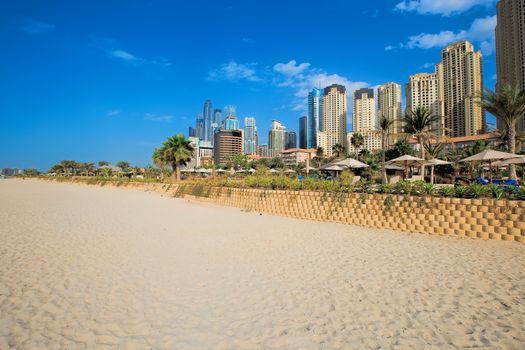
(89, 267)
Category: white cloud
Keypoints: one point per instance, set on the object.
(440, 7)
(481, 33)
(291, 68)
(234, 71)
(113, 113)
(124, 55)
(111, 48)
(428, 41)
(36, 27)
(302, 78)
(158, 118)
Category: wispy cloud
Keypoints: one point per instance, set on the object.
(115, 51)
(302, 78)
(124, 55)
(235, 72)
(481, 32)
(440, 7)
(113, 113)
(158, 118)
(37, 27)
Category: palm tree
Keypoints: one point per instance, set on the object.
(176, 151)
(418, 123)
(103, 163)
(319, 152)
(507, 104)
(338, 150)
(433, 152)
(357, 141)
(385, 124)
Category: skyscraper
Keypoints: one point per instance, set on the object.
(303, 132)
(262, 150)
(207, 109)
(290, 140)
(462, 81)
(315, 115)
(389, 105)
(332, 125)
(510, 47)
(364, 110)
(227, 143)
(276, 139)
(217, 116)
(229, 111)
(249, 136)
(425, 90)
(192, 132)
(231, 123)
(200, 127)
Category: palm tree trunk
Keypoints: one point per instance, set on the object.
(422, 148)
(383, 159)
(512, 149)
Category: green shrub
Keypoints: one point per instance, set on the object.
(447, 191)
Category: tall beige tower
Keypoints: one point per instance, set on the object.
(510, 46)
(364, 110)
(276, 139)
(333, 123)
(389, 104)
(462, 79)
(424, 90)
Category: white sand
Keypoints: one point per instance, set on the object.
(90, 267)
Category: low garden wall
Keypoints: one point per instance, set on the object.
(463, 217)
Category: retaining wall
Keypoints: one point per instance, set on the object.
(476, 218)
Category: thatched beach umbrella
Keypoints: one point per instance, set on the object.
(350, 163)
(433, 163)
(489, 156)
(406, 161)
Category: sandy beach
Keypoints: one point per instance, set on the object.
(90, 267)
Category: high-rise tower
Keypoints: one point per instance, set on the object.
(315, 115)
(364, 110)
(249, 135)
(389, 105)
(332, 125)
(276, 139)
(462, 80)
(510, 47)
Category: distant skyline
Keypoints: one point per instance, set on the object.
(94, 80)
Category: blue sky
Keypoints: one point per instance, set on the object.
(110, 80)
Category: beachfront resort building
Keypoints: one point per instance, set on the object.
(314, 117)
(227, 143)
(276, 139)
(364, 110)
(294, 156)
(462, 79)
(371, 141)
(389, 105)
(332, 126)
(510, 47)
